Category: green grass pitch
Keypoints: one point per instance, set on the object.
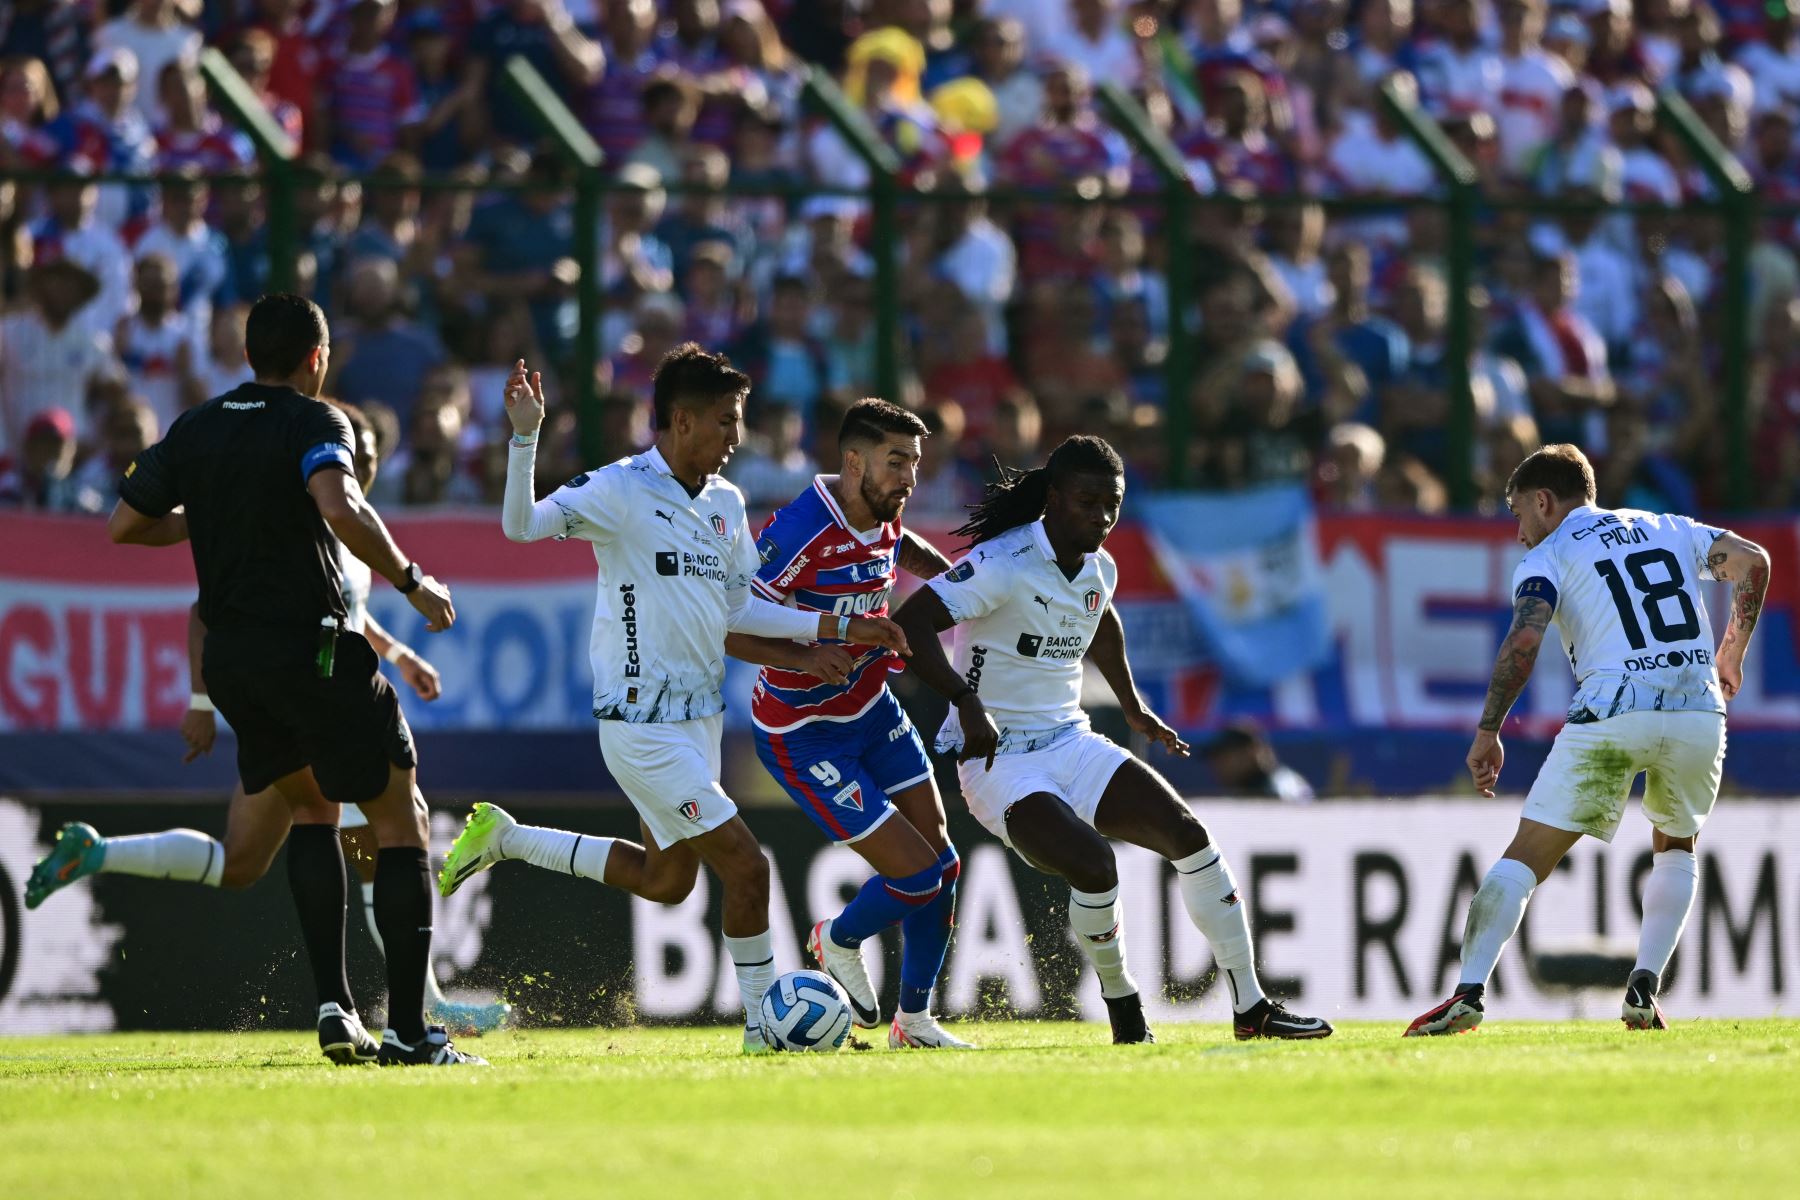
(1710, 1108)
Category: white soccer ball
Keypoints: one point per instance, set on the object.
(805, 1010)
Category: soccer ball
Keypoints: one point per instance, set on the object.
(805, 1010)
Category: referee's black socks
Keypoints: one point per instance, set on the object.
(315, 869)
(403, 914)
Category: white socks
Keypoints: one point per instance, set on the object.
(1494, 916)
(559, 850)
(1099, 926)
(1210, 894)
(754, 958)
(1668, 896)
(183, 854)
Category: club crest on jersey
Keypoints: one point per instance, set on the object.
(850, 797)
(1091, 600)
(691, 810)
(718, 524)
(960, 572)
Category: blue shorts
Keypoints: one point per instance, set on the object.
(841, 773)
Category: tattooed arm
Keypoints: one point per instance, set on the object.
(919, 558)
(1745, 565)
(1512, 667)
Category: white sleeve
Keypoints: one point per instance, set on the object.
(973, 587)
(749, 613)
(1700, 538)
(523, 519)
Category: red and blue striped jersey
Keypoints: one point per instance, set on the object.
(812, 559)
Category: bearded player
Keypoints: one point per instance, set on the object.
(1622, 587)
(1029, 602)
(842, 747)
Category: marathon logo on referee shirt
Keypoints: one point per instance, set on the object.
(629, 618)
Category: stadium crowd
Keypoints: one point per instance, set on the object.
(1318, 334)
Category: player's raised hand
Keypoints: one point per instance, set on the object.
(830, 663)
(525, 399)
(1485, 759)
(879, 631)
(432, 600)
(199, 729)
(420, 675)
(1151, 726)
(981, 738)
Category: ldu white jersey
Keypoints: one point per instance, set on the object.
(672, 568)
(1624, 587)
(1022, 628)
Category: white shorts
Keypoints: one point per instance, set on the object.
(351, 818)
(1076, 769)
(670, 770)
(1588, 775)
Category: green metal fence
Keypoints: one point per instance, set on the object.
(1182, 209)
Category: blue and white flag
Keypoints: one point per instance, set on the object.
(1247, 566)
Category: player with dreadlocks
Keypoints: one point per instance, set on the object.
(1031, 600)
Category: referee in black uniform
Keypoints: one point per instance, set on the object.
(258, 481)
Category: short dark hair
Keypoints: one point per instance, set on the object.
(1560, 469)
(280, 332)
(870, 420)
(690, 377)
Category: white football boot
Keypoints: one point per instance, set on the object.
(845, 965)
(921, 1031)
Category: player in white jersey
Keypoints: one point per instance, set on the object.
(1030, 601)
(256, 826)
(1650, 694)
(676, 557)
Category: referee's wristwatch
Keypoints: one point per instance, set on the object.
(411, 578)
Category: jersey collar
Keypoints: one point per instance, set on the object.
(1042, 540)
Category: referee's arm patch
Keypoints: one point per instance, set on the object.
(1537, 588)
(326, 454)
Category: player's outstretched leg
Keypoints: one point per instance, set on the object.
(734, 856)
(1668, 898)
(1494, 916)
(925, 932)
(1048, 835)
(490, 835)
(1139, 806)
(79, 851)
(461, 1019)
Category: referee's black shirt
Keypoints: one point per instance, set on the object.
(266, 560)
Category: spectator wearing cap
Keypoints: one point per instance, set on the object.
(156, 35)
(1532, 84)
(1093, 37)
(1244, 764)
(614, 105)
(544, 33)
(1772, 60)
(47, 358)
(104, 133)
(41, 476)
(1568, 40)
(1345, 478)
(71, 230)
(370, 96)
(191, 134)
(28, 108)
(1459, 74)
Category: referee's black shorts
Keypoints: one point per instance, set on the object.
(349, 728)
